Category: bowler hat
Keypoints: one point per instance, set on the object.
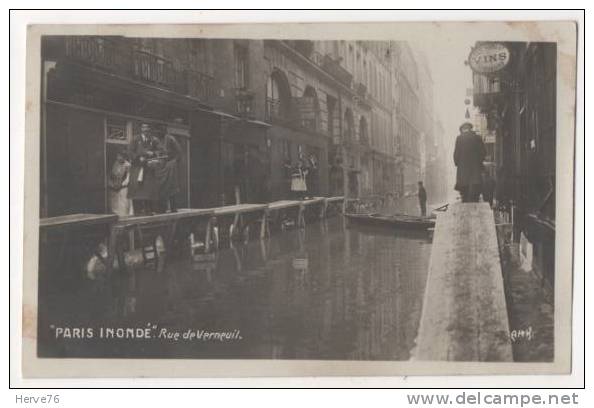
(466, 125)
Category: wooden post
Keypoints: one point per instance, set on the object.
(208, 233)
(111, 248)
(168, 241)
(264, 224)
(301, 216)
(324, 208)
(237, 195)
(233, 229)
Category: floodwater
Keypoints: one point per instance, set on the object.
(323, 292)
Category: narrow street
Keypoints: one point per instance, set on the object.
(324, 292)
(168, 162)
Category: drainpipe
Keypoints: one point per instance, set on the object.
(46, 66)
(341, 149)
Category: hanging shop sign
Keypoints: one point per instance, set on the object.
(489, 58)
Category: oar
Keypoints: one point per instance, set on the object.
(442, 208)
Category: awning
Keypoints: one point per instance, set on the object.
(234, 117)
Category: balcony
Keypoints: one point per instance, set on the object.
(244, 101)
(303, 47)
(364, 141)
(275, 111)
(309, 124)
(155, 70)
(362, 95)
(122, 58)
(361, 90)
(317, 58)
(199, 85)
(100, 52)
(333, 68)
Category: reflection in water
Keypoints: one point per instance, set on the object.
(324, 292)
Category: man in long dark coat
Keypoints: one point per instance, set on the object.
(167, 174)
(468, 158)
(312, 176)
(422, 195)
(143, 188)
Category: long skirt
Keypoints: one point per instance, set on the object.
(119, 202)
(167, 179)
(143, 184)
(298, 184)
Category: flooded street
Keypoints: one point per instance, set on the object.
(323, 292)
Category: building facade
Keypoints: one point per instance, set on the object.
(241, 110)
(96, 93)
(519, 104)
(413, 117)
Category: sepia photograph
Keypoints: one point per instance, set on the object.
(395, 193)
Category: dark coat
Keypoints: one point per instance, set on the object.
(140, 151)
(167, 174)
(468, 158)
(422, 195)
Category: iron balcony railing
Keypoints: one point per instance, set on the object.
(309, 124)
(364, 141)
(244, 100)
(97, 51)
(273, 109)
(361, 90)
(280, 112)
(334, 68)
(125, 59)
(317, 58)
(154, 69)
(199, 85)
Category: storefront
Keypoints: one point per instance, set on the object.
(519, 100)
(88, 115)
(286, 146)
(231, 159)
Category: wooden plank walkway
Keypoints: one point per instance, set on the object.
(149, 227)
(464, 314)
(157, 218)
(73, 230)
(298, 205)
(239, 209)
(181, 224)
(283, 204)
(77, 220)
(243, 215)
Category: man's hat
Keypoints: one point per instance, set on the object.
(466, 125)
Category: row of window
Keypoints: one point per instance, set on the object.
(278, 107)
(279, 101)
(367, 69)
(408, 138)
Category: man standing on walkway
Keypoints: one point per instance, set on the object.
(422, 199)
(468, 158)
(170, 154)
(143, 188)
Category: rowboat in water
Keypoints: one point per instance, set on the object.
(400, 221)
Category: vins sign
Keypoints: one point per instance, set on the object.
(488, 58)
